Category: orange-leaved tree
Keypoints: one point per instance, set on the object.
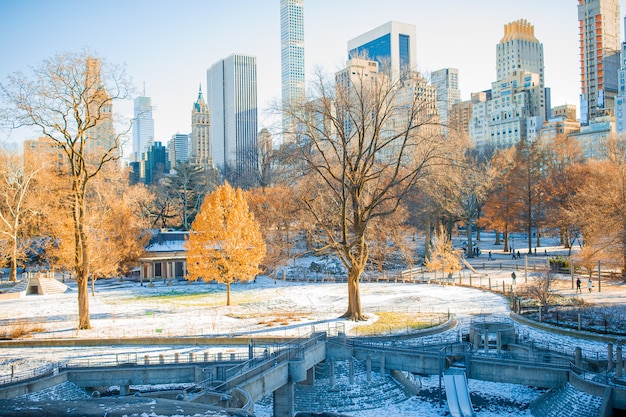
(225, 243)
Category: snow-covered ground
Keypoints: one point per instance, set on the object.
(273, 307)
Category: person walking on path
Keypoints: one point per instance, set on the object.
(490, 258)
(589, 284)
(513, 276)
(578, 290)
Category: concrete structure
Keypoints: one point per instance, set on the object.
(599, 57)
(291, 59)
(232, 98)
(178, 149)
(143, 126)
(392, 46)
(200, 133)
(446, 81)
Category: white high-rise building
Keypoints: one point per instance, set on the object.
(143, 126)
(599, 57)
(291, 58)
(446, 81)
(519, 50)
(516, 108)
(232, 98)
(393, 45)
(200, 132)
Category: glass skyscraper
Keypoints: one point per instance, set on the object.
(232, 98)
(291, 56)
(392, 45)
(143, 126)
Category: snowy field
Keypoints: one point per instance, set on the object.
(265, 307)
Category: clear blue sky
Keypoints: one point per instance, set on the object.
(169, 45)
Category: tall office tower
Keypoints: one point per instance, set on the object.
(392, 45)
(446, 81)
(232, 97)
(620, 100)
(599, 57)
(102, 137)
(178, 149)
(143, 126)
(292, 59)
(519, 50)
(200, 133)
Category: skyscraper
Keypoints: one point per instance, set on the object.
(392, 45)
(599, 57)
(291, 57)
(178, 149)
(232, 98)
(620, 100)
(516, 108)
(200, 132)
(519, 50)
(446, 81)
(143, 126)
(102, 138)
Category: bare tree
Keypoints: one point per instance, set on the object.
(368, 142)
(542, 290)
(15, 184)
(69, 100)
(186, 189)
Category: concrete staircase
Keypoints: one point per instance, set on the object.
(49, 286)
(344, 397)
(64, 391)
(566, 401)
(16, 291)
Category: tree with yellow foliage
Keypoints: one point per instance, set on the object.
(225, 243)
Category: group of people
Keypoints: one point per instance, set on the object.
(589, 285)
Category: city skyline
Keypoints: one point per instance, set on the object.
(170, 47)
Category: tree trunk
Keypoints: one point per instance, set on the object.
(227, 293)
(13, 271)
(506, 238)
(470, 246)
(354, 311)
(81, 256)
(83, 304)
(427, 236)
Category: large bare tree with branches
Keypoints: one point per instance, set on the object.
(15, 187)
(68, 99)
(368, 140)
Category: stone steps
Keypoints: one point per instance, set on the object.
(63, 391)
(345, 397)
(49, 286)
(566, 401)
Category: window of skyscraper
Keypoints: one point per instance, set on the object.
(405, 52)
